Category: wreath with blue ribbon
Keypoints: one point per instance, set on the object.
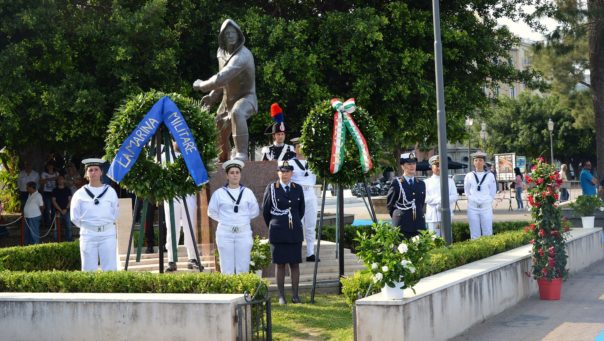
(146, 178)
(317, 136)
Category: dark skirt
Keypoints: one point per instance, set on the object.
(287, 253)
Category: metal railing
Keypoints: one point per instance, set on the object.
(254, 316)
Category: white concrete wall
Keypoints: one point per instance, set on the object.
(95, 316)
(448, 303)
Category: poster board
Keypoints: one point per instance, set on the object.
(504, 166)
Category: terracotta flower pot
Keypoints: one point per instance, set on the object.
(550, 290)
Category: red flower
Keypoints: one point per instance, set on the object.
(541, 233)
(528, 179)
(552, 177)
(532, 226)
(556, 196)
(554, 233)
(551, 262)
(532, 241)
(541, 159)
(551, 251)
(544, 271)
(539, 181)
(541, 252)
(531, 200)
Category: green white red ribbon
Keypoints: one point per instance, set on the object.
(342, 121)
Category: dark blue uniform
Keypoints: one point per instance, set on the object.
(409, 224)
(285, 238)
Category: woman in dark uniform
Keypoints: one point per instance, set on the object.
(283, 210)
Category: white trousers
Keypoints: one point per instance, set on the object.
(234, 249)
(434, 227)
(180, 218)
(481, 221)
(94, 247)
(310, 220)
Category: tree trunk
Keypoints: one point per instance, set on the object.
(596, 61)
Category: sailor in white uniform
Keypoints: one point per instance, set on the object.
(303, 176)
(94, 209)
(480, 188)
(233, 207)
(433, 197)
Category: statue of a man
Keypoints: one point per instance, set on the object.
(235, 84)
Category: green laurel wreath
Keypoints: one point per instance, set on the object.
(316, 144)
(147, 178)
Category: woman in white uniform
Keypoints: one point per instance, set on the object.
(94, 209)
(480, 188)
(233, 207)
(433, 197)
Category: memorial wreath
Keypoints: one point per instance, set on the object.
(147, 178)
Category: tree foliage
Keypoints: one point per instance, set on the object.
(520, 126)
(66, 65)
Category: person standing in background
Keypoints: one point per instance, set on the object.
(32, 211)
(48, 180)
(564, 194)
(433, 197)
(26, 175)
(519, 186)
(588, 181)
(61, 198)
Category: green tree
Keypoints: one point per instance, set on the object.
(520, 126)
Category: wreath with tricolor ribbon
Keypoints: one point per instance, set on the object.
(338, 139)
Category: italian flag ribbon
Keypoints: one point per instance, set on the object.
(342, 121)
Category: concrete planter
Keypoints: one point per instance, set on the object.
(448, 303)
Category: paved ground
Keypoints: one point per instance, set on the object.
(579, 315)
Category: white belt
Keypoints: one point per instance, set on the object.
(101, 228)
(235, 229)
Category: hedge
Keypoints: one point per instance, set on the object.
(441, 259)
(461, 231)
(52, 267)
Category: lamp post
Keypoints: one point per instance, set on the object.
(483, 134)
(550, 127)
(469, 122)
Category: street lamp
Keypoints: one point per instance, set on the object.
(483, 134)
(469, 122)
(550, 127)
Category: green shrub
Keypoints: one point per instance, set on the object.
(49, 256)
(129, 282)
(442, 259)
(461, 231)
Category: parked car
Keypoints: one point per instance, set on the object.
(458, 179)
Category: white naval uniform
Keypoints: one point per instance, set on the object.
(480, 208)
(180, 219)
(234, 232)
(310, 201)
(98, 235)
(433, 215)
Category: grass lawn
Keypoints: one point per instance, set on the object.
(329, 318)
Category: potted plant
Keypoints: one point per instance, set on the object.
(585, 206)
(392, 260)
(548, 230)
(260, 256)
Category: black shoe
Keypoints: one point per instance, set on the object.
(171, 267)
(282, 300)
(296, 300)
(149, 249)
(193, 264)
(311, 258)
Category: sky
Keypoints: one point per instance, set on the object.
(524, 31)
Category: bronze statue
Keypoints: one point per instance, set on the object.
(235, 83)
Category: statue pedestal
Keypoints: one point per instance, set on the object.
(255, 176)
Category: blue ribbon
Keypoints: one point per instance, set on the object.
(163, 111)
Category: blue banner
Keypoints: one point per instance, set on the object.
(163, 111)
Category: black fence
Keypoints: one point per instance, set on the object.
(254, 316)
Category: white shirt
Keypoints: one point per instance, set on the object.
(50, 184)
(84, 213)
(222, 207)
(433, 198)
(488, 189)
(32, 205)
(298, 173)
(24, 178)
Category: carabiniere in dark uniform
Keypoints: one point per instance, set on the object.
(286, 228)
(407, 207)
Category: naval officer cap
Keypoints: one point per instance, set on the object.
(232, 163)
(284, 166)
(93, 161)
(479, 155)
(434, 159)
(408, 158)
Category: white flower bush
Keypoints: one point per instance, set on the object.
(392, 259)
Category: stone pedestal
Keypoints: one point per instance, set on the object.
(124, 224)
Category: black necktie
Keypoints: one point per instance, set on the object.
(410, 182)
(287, 189)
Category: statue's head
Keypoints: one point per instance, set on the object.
(231, 38)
